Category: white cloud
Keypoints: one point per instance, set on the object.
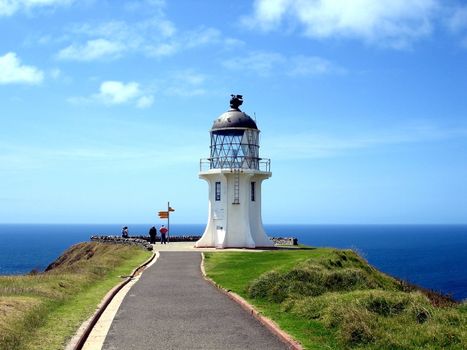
(232, 43)
(458, 20)
(155, 36)
(112, 39)
(394, 23)
(191, 39)
(156, 6)
(55, 73)
(262, 63)
(268, 63)
(114, 92)
(202, 36)
(145, 101)
(79, 100)
(312, 65)
(10, 7)
(58, 75)
(457, 23)
(112, 30)
(12, 71)
(92, 50)
(185, 83)
(161, 50)
(190, 77)
(163, 26)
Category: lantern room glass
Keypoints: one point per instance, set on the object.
(235, 149)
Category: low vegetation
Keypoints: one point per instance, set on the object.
(43, 310)
(333, 299)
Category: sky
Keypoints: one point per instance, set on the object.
(106, 107)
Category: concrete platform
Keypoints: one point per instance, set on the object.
(190, 247)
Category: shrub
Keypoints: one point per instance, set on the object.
(307, 280)
(378, 319)
(264, 285)
(356, 327)
(346, 280)
(276, 287)
(309, 308)
(386, 303)
(353, 323)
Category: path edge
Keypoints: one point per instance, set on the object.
(265, 321)
(79, 339)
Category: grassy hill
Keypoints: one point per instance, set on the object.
(43, 310)
(333, 299)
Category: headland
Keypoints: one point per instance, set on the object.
(324, 298)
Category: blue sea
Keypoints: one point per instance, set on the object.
(432, 256)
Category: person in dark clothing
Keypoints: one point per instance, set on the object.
(125, 232)
(152, 235)
(163, 230)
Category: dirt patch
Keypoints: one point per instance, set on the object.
(78, 252)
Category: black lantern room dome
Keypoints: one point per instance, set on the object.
(234, 118)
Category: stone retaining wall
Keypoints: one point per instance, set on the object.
(285, 240)
(184, 238)
(120, 240)
(144, 240)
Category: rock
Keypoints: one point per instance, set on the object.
(285, 240)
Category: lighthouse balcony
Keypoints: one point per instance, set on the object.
(234, 163)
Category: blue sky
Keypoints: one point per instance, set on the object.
(106, 107)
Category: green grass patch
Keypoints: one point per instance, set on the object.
(333, 299)
(43, 311)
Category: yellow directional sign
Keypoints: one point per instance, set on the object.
(163, 214)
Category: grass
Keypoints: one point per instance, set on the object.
(43, 311)
(333, 299)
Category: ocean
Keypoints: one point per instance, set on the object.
(432, 256)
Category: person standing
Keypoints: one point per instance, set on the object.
(152, 235)
(125, 232)
(163, 230)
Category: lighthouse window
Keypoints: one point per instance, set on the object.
(218, 191)
(253, 191)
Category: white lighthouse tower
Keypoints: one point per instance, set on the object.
(234, 172)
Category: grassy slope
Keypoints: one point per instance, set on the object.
(330, 299)
(43, 311)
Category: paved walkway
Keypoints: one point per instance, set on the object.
(173, 307)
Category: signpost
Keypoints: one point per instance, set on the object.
(165, 214)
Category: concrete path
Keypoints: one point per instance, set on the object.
(173, 307)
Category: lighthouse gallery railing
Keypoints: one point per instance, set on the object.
(261, 164)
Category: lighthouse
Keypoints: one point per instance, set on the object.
(234, 172)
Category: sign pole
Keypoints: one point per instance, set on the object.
(168, 221)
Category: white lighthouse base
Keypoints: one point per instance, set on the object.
(234, 219)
